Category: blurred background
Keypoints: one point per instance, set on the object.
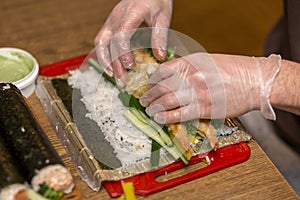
(230, 26)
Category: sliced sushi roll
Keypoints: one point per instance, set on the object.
(13, 185)
(40, 163)
(16, 191)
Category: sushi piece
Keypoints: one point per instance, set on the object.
(16, 191)
(13, 185)
(40, 163)
(19, 191)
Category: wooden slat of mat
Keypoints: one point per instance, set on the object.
(39, 114)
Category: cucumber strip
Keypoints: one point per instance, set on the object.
(167, 140)
(32, 195)
(155, 153)
(152, 133)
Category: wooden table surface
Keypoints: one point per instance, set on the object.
(55, 30)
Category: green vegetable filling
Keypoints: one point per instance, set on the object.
(49, 193)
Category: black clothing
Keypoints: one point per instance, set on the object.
(284, 39)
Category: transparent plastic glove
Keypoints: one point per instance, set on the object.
(213, 86)
(114, 36)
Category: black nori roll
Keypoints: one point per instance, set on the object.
(23, 133)
(9, 171)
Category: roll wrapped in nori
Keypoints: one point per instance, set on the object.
(12, 182)
(23, 133)
(9, 171)
(28, 142)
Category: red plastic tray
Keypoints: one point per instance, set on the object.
(62, 67)
(146, 183)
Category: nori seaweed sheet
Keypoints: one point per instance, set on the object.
(9, 169)
(23, 134)
(99, 146)
(64, 91)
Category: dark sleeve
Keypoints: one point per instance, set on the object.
(284, 38)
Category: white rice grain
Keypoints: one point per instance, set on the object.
(105, 108)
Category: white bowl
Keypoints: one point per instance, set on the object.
(27, 83)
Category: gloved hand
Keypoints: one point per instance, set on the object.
(213, 86)
(123, 20)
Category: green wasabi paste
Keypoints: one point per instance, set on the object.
(15, 67)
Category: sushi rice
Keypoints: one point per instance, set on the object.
(104, 107)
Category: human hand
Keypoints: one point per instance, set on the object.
(214, 86)
(114, 36)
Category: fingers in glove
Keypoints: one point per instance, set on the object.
(180, 114)
(119, 73)
(160, 21)
(170, 84)
(177, 67)
(120, 48)
(169, 101)
(102, 50)
(159, 43)
(126, 25)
